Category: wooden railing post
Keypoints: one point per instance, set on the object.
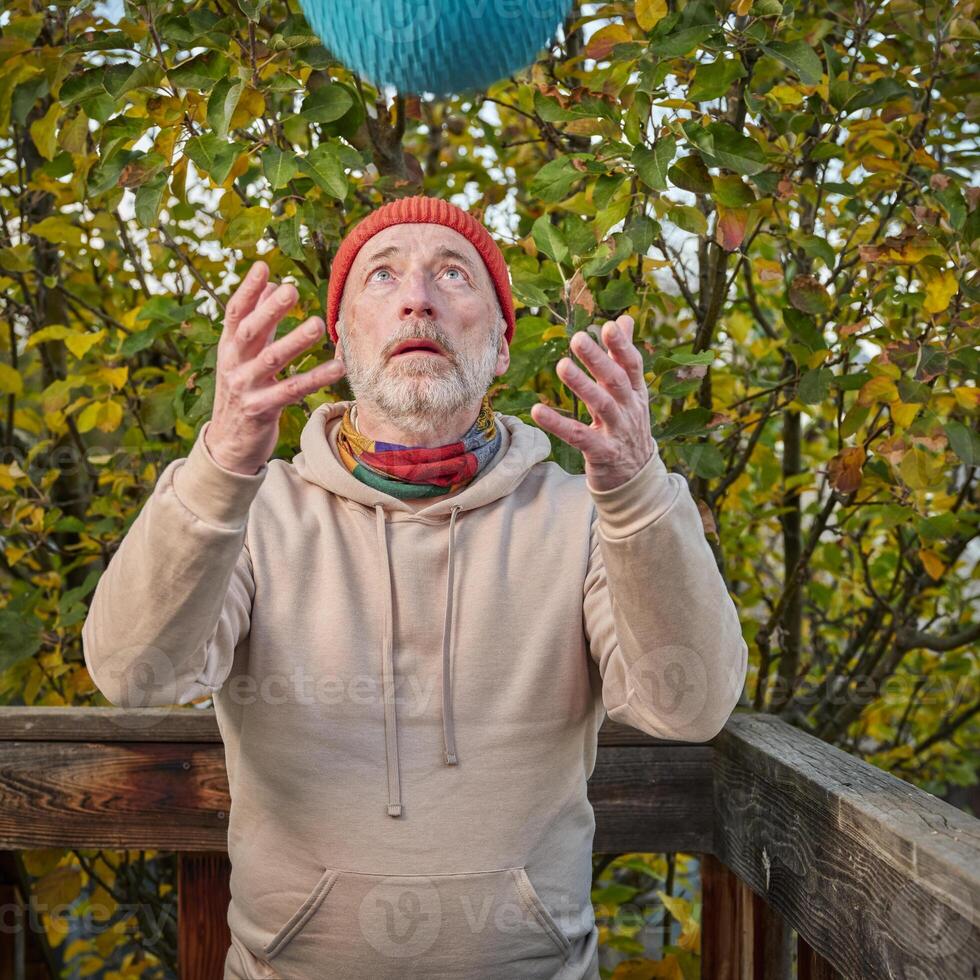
(742, 938)
(203, 936)
(810, 965)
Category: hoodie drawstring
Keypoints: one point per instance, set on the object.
(394, 807)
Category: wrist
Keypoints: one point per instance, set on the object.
(225, 460)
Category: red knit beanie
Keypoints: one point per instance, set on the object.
(420, 209)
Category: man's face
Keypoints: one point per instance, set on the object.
(428, 283)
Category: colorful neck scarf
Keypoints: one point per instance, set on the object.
(419, 471)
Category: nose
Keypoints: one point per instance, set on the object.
(416, 301)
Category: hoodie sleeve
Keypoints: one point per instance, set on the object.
(660, 624)
(175, 598)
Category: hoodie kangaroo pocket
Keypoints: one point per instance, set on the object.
(481, 925)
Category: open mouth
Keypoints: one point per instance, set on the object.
(422, 347)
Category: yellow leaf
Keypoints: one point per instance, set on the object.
(251, 105)
(11, 383)
(903, 413)
(649, 12)
(932, 563)
(556, 331)
(921, 470)
(878, 389)
(941, 287)
(56, 331)
(43, 132)
(603, 41)
(968, 398)
(80, 341)
(105, 416)
(58, 231)
(116, 376)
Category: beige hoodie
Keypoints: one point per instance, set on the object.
(409, 696)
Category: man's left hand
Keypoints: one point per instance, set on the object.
(619, 440)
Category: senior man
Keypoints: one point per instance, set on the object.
(413, 630)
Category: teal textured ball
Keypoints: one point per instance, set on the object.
(437, 46)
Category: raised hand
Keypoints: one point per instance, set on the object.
(248, 399)
(620, 439)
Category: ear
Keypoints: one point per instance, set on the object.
(503, 358)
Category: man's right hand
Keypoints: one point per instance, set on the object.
(248, 400)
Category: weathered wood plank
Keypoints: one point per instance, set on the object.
(175, 796)
(186, 724)
(172, 724)
(877, 876)
(138, 795)
(656, 800)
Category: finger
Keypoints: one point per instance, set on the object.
(627, 355)
(297, 387)
(255, 328)
(246, 296)
(600, 403)
(575, 433)
(607, 372)
(272, 359)
(270, 288)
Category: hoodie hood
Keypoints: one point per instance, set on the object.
(318, 462)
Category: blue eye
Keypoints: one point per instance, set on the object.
(453, 268)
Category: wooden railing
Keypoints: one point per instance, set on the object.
(802, 844)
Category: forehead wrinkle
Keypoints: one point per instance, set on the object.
(443, 252)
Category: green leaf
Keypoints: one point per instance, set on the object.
(324, 167)
(212, 155)
(721, 145)
(287, 236)
(712, 81)
(149, 200)
(252, 8)
(554, 180)
(680, 42)
(200, 73)
(327, 104)
(549, 239)
(617, 295)
(652, 165)
(247, 227)
(607, 259)
(854, 419)
(704, 458)
(817, 247)
(799, 58)
(120, 79)
(808, 295)
(688, 218)
(964, 442)
(75, 88)
(279, 167)
(643, 232)
(106, 175)
(693, 421)
(814, 386)
(731, 192)
(222, 103)
(878, 92)
(142, 339)
(690, 174)
(20, 636)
